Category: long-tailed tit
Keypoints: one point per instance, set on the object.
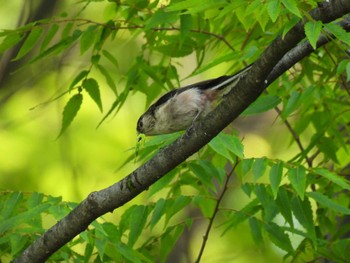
(179, 108)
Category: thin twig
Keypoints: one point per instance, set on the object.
(295, 136)
(216, 210)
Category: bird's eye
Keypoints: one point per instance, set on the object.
(140, 124)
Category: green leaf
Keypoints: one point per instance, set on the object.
(325, 201)
(70, 111)
(49, 36)
(274, 9)
(30, 42)
(259, 168)
(111, 58)
(160, 17)
(265, 197)
(276, 177)
(255, 227)
(303, 213)
(338, 32)
(87, 39)
(179, 203)
(78, 78)
(137, 223)
(205, 204)
(297, 177)
(292, 6)
(22, 218)
(246, 212)
(283, 202)
(262, 104)
(168, 240)
(158, 212)
(348, 72)
(58, 47)
(292, 104)
(313, 31)
(91, 86)
(339, 180)
(224, 143)
(108, 78)
(278, 237)
(10, 41)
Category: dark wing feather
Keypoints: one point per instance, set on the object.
(202, 85)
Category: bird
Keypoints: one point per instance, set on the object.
(179, 108)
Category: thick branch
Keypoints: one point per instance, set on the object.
(247, 91)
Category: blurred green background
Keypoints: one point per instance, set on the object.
(85, 158)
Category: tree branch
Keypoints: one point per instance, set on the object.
(247, 90)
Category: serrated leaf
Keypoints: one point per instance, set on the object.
(91, 86)
(292, 6)
(265, 198)
(10, 41)
(87, 39)
(297, 177)
(303, 213)
(49, 36)
(313, 31)
(30, 42)
(70, 111)
(255, 228)
(259, 168)
(278, 237)
(276, 177)
(274, 9)
(246, 212)
(283, 202)
(224, 144)
(338, 32)
(325, 201)
(78, 78)
(262, 104)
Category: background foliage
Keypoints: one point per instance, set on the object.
(280, 173)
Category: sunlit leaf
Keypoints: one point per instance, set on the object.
(139, 217)
(292, 6)
(274, 9)
(313, 31)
